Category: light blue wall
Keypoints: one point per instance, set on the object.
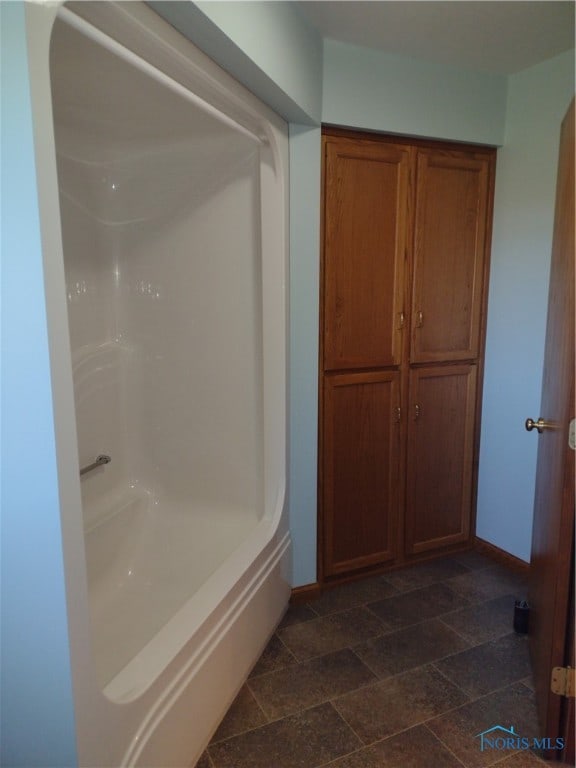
(36, 694)
(523, 222)
(369, 89)
(305, 146)
(267, 46)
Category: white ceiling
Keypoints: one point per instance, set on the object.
(501, 36)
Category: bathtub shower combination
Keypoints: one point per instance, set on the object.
(172, 190)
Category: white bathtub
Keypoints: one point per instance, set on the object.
(171, 240)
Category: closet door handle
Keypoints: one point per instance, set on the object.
(416, 412)
(419, 319)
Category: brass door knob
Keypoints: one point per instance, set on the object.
(539, 425)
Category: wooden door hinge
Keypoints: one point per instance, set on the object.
(563, 682)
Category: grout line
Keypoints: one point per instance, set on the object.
(340, 757)
(269, 718)
(472, 699)
(260, 707)
(469, 693)
(368, 667)
(382, 631)
(446, 746)
(308, 605)
(462, 690)
(360, 739)
(412, 725)
(288, 650)
(210, 761)
(272, 671)
(246, 730)
(473, 642)
(418, 665)
(464, 637)
(403, 592)
(328, 699)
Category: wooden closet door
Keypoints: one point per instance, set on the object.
(440, 456)
(450, 232)
(366, 201)
(361, 464)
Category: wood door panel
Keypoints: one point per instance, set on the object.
(449, 244)
(551, 562)
(366, 192)
(361, 468)
(440, 450)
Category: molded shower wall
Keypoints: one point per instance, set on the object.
(165, 321)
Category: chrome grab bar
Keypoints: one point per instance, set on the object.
(100, 460)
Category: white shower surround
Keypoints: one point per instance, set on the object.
(173, 248)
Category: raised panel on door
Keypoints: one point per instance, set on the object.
(441, 418)
(366, 195)
(361, 461)
(449, 255)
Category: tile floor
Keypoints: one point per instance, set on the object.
(396, 671)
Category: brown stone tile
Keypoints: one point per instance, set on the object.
(353, 594)
(483, 621)
(243, 715)
(479, 586)
(489, 666)
(297, 613)
(474, 560)
(423, 574)
(397, 703)
(512, 706)
(331, 633)
(410, 647)
(417, 605)
(309, 683)
(308, 739)
(275, 656)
